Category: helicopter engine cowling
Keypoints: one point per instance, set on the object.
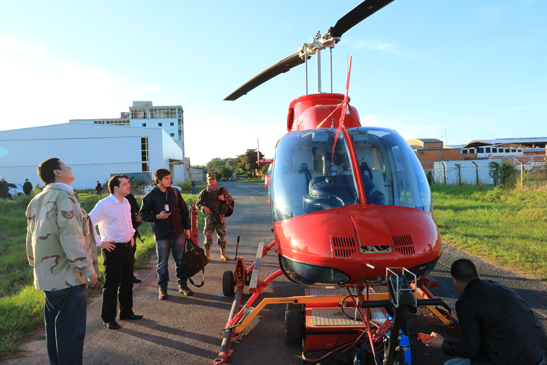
(353, 245)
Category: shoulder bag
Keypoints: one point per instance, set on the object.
(194, 261)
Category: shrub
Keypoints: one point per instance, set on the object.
(502, 173)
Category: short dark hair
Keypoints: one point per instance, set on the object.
(464, 270)
(160, 174)
(45, 169)
(115, 181)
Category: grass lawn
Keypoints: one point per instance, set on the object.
(507, 227)
(21, 305)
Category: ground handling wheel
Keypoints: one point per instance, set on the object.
(293, 326)
(228, 284)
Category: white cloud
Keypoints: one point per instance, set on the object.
(380, 46)
(37, 51)
(42, 89)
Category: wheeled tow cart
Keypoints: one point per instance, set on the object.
(332, 321)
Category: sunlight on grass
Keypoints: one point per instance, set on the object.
(503, 226)
(19, 314)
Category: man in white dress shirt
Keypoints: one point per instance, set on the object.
(113, 217)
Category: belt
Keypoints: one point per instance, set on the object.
(128, 243)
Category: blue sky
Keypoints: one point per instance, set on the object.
(453, 70)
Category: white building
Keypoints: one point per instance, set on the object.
(144, 114)
(94, 152)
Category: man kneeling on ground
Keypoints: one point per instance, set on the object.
(497, 326)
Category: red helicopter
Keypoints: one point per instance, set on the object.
(351, 210)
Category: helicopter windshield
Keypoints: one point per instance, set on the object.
(307, 176)
(387, 160)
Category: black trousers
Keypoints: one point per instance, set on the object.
(118, 274)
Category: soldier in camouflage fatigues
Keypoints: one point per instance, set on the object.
(63, 253)
(218, 198)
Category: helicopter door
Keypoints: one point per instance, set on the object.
(396, 172)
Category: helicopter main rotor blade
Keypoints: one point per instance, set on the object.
(345, 23)
(272, 71)
(356, 15)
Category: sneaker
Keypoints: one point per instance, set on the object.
(163, 294)
(186, 291)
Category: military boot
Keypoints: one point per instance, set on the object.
(223, 256)
(208, 253)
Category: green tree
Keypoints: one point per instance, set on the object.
(214, 164)
(224, 172)
(264, 169)
(247, 162)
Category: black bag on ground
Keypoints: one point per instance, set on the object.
(194, 261)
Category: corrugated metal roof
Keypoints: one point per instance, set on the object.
(523, 141)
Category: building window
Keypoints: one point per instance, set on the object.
(144, 124)
(172, 134)
(513, 150)
(172, 124)
(481, 150)
(487, 149)
(494, 150)
(464, 151)
(160, 124)
(471, 150)
(144, 154)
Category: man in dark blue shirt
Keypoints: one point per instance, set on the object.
(497, 326)
(165, 208)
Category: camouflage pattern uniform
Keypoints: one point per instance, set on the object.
(59, 244)
(211, 195)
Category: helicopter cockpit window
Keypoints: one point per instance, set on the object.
(387, 161)
(309, 176)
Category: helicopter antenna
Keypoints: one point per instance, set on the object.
(258, 149)
(330, 48)
(344, 106)
(306, 64)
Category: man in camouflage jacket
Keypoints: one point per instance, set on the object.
(218, 198)
(63, 253)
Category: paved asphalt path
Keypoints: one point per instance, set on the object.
(188, 330)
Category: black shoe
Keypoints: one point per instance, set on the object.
(136, 280)
(132, 316)
(112, 325)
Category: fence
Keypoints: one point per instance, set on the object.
(465, 172)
